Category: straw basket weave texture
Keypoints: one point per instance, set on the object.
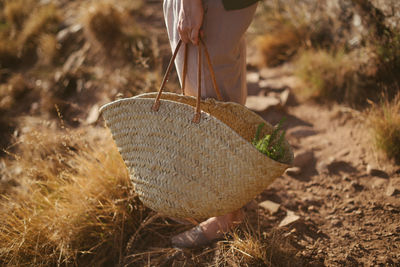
(185, 169)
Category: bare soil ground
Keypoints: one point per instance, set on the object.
(339, 205)
(342, 201)
(346, 196)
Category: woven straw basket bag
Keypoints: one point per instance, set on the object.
(191, 167)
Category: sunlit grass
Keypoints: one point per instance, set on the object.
(74, 202)
(384, 119)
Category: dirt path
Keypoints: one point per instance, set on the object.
(340, 205)
(344, 197)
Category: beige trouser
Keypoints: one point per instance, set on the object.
(224, 38)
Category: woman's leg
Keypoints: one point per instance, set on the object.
(224, 38)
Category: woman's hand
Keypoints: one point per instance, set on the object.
(190, 20)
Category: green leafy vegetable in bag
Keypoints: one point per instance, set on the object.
(271, 144)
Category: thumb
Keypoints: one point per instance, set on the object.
(194, 36)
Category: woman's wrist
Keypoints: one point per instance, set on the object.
(190, 20)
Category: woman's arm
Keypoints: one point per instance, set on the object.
(190, 20)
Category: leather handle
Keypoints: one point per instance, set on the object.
(197, 115)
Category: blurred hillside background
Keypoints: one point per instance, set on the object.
(65, 196)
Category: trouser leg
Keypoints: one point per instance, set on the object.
(224, 37)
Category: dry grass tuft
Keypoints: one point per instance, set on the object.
(327, 75)
(384, 120)
(16, 12)
(8, 53)
(249, 247)
(74, 203)
(43, 20)
(47, 49)
(13, 91)
(280, 45)
(113, 31)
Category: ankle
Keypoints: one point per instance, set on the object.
(216, 227)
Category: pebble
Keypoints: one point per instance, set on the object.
(322, 167)
(376, 172)
(392, 191)
(261, 103)
(284, 97)
(253, 77)
(312, 208)
(358, 187)
(303, 159)
(293, 171)
(93, 116)
(270, 206)
(337, 223)
(301, 132)
(377, 183)
(291, 217)
(346, 178)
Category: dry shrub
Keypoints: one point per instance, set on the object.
(74, 204)
(280, 45)
(249, 247)
(388, 62)
(47, 49)
(12, 92)
(384, 119)
(8, 52)
(326, 75)
(113, 31)
(43, 20)
(16, 12)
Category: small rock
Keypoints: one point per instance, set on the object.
(392, 191)
(375, 172)
(312, 208)
(253, 77)
(322, 167)
(301, 132)
(293, 171)
(94, 114)
(344, 153)
(337, 223)
(357, 187)
(377, 183)
(303, 159)
(261, 103)
(270, 206)
(284, 97)
(346, 178)
(291, 217)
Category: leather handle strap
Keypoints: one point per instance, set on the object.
(196, 117)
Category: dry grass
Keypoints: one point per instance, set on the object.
(25, 23)
(8, 54)
(113, 32)
(280, 45)
(43, 19)
(250, 247)
(16, 12)
(384, 119)
(47, 49)
(74, 202)
(69, 201)
(327, 75)
(13, 92)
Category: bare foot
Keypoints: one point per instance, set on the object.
(210, 230)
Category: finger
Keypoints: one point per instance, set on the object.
(194, 36)
(184, 35)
